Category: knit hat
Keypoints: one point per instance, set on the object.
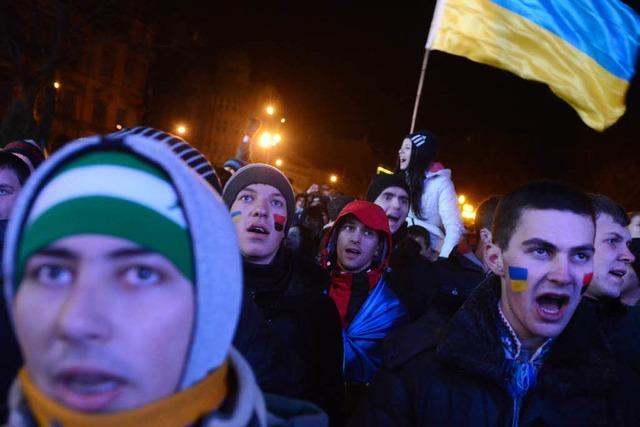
(381, 182)
(28, 151)
(424, 146)
(192, 157)
(260, 173)
(216, 268)
(109, 193)
(234, 164)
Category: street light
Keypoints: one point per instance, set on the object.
(265, 140)
(270, 110)
(119, 126)
(278, 162)
(181, 129)
(462, 199)
(333, 179)
(282, 120)
(277, 138)
(56, 85)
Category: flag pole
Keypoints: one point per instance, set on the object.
(425, 60)
(433, 29)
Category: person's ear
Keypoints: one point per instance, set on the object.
(493, 258)
(485, 236)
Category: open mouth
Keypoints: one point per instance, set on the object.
(88, 383)
(353, 251)
(393, 218)
(552, 305)
(618, 273)
(258, 230)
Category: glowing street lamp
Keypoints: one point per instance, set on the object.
(265, 140)
(278, 162)
(270, 110)
(462, 199)
(282, 120)
(181, 129)
(333, 178)
(56, 85)
(277, 138)
(119, 126)
(467, 207)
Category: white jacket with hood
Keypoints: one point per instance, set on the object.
(440, 211)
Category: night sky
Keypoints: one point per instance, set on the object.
(351, 70)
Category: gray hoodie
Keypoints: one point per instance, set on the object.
(217, 268)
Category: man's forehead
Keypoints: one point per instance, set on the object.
(561, 228)
(395, 191)
(606, 224)
(264, 189)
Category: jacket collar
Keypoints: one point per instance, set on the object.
(579, 360)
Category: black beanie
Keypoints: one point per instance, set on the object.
(424, 147)
(260, 173)
(381, 182)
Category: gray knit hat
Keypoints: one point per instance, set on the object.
(260, 173)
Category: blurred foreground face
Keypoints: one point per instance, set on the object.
(9, 190)
(104, 325)
(634, 227)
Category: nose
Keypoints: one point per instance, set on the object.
(560, 273)
(261, 208)
(82, 316)
(626, 256)
(356, 236)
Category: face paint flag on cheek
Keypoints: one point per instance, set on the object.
(235, 216)
(518, 277)
(279, 222)
(586, 281)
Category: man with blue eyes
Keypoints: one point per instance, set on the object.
(287, 290)
(513, 354)
(123, 279)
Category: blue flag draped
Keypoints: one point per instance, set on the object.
(379, 315)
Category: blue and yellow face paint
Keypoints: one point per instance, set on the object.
(518, 277)
(235, 216)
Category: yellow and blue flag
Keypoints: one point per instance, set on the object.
(584, 50)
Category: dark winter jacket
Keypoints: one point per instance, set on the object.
(10, 359)
(454, 375)
(457, 277)
(289, 292)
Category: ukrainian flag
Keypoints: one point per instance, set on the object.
(584, 50)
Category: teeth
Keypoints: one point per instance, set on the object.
(91, 385)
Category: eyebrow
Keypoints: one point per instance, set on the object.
(274, 194)
(70, 255)
(551, 247)
(614, 234)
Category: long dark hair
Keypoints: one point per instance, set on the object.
(423, 151)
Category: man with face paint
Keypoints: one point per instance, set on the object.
(513, 354)
(123, 280)
(287, 288)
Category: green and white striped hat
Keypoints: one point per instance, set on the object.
(111, 193)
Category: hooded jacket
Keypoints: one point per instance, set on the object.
(215, 255)
(439, 207)
(379, 312)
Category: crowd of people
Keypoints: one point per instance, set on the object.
(145, 286)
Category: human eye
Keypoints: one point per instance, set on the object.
(582, 257)
(277, 203)
(51, 274)
(540, 252)
(141, 275)
(5, 191)
(612, 241)
(245, 197)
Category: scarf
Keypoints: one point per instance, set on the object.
(522, 367)
(180, 409)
